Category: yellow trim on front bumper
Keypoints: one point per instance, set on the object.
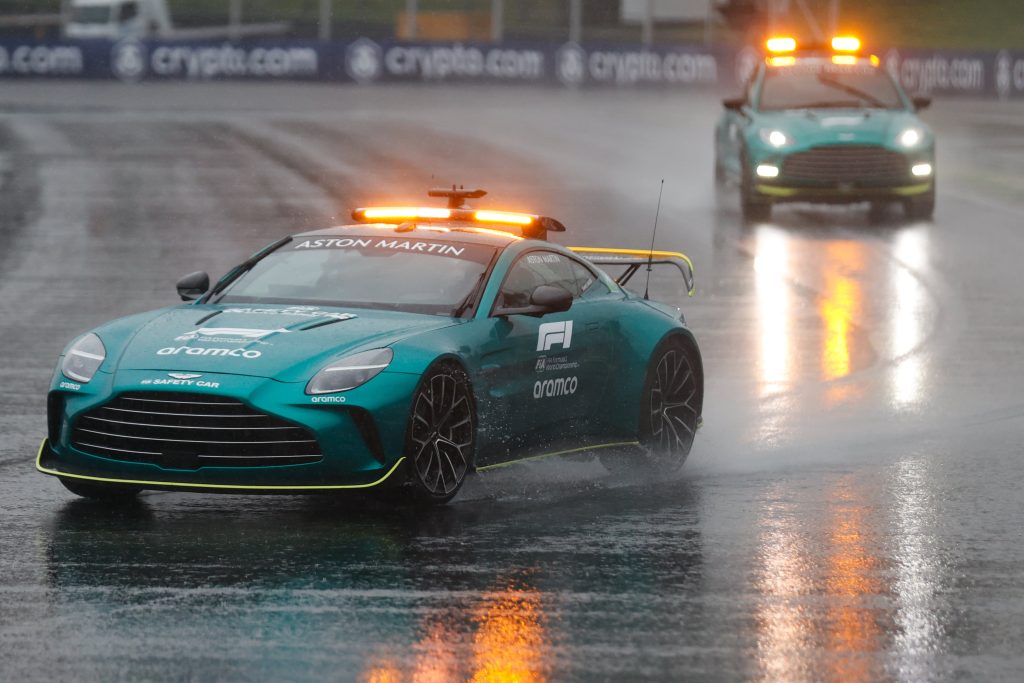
(853, 193)
(229, 487)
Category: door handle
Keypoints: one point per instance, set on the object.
(593, 326)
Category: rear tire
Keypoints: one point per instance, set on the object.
(101, 492)
(441, 438)
(669, 412)
(920, 208)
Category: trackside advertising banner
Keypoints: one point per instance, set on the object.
(364, 61)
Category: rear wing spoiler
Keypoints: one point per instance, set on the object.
(634, 259)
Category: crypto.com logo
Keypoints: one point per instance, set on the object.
(550, 334)
(571, 64)
(128, 59)
(364, 61)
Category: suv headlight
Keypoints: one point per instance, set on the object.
(84, 358)
(911, 137)
(775, 138)
(350, 372)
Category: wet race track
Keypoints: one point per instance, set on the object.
(851, 510)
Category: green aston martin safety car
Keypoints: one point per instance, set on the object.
(825, 125)
(406, 350)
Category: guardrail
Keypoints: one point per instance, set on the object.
(364, 61)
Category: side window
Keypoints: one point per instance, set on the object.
(586, 282)
(532, 270)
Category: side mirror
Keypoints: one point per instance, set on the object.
(921, 102)
(193, 285)
(734, 103)
(545, 299)
(551, 299)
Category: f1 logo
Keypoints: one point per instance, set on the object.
(550, 334)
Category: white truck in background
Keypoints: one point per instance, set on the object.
(117, 19)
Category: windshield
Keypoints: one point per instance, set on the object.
(90, 14)
(404, 274)
(814, 84)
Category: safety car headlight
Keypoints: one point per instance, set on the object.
(775, 138)
(911, 137)
(350, 372)
(84, 358)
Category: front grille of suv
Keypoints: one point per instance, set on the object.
(861, 165)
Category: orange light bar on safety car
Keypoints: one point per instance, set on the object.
(844, 60)
(846, 44)
(779, 44)
(788, 60)
(505, 217)
(401, 213)
(426, 214)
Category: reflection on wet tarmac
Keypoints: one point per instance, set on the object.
(870, 309)
(822, 603)
(509, 643)
(510, 640)
(921, 615)
(909, 315)
(855, 596)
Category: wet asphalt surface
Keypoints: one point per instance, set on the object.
(852, 509)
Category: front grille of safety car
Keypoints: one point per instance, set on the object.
(862, 165)
(189, 431)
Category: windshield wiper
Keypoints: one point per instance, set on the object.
(245, 266)
(468, 301)
(850, 90)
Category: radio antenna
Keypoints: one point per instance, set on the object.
(654, 234)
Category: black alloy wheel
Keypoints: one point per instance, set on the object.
(101, 492)
(669, 413)
(442, 434)
(670, 407)
(921, 207)
(755, 209)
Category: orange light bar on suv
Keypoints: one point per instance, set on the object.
(845, 44)
(779, 44)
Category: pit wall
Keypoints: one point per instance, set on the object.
(363, 61)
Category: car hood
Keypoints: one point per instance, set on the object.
(287, 343)
(809, 127)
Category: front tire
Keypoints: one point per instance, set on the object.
(754, 209)
(100, 492)
(920, 208)
(441, 440)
